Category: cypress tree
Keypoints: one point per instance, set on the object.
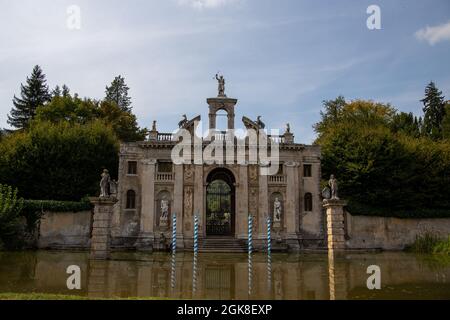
(33, 94)
(117, 92)
(434, 111)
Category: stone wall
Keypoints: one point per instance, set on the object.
(65, 230)
(365, 232)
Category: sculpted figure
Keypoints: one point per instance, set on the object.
(104, 184)
(164, 209)
(183, 121)
(277, 210)
(221, 89)
(288, 128)
(334, 187)
(260, 124)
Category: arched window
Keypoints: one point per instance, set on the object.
(131, 199)
(308, 202)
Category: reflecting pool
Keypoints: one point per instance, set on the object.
(229, 276)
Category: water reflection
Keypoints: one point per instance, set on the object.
(229, 276)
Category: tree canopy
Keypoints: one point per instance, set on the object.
(383, 163)
(32, 95)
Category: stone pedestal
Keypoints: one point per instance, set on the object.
(101, 229)
(335, 223)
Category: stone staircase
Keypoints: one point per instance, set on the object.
(223, 244)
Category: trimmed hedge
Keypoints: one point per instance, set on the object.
(57, 206)
(358, 209)
(32, 209)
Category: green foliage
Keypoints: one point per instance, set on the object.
(407, 123)
(33, 209)
(82, 111)
(383, 171)
(60, 161)
(430, 243)
(117, 93)
(446, 122)
(10, 210)
(33, 94)
(434, 111)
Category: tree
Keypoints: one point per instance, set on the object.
(117, 92)
(434, 111)
(33, 94)
(331, 114)
(446, 122)
(65, 91)
(83, 111)
(61, 161)
(407, 123)
(56, 92)
(10, 224)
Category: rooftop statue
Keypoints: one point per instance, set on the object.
(183, 121)
(260, 124)
(221, 89)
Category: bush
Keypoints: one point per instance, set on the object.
(429, 243)
(10, 222)
(60, 161)
(33, 209)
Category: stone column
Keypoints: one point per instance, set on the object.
(242, 203)
(146, 236)
(178, 203)
(263, 208)
(101, 229)
(291, 221)
(198, 196)
(335, 224)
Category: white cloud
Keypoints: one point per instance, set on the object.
(206, 4)
(435, 34)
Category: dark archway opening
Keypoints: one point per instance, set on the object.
(220, 203)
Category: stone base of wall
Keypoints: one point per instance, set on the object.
(365, 232)
(65, 230)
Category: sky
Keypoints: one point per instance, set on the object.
(280, 59)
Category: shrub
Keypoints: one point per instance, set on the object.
(60, 161)
(10, 222)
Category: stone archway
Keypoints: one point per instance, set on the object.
(220, 203)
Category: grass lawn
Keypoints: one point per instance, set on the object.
(45, 296)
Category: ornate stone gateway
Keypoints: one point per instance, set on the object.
(220, 203)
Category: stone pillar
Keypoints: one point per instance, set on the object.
(291, 221)
(101, 229)
(198, 196)
(146, 236)
(178, 203)
(335, 223)
(242, 203)
(263, 207)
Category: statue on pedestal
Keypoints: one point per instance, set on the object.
(105, 184)
(334, 187)
(260, 124)
(221, 89)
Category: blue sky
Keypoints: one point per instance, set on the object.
(281, 59)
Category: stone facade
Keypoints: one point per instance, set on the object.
(147, 176)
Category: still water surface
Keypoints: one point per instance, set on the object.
(229, 276)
